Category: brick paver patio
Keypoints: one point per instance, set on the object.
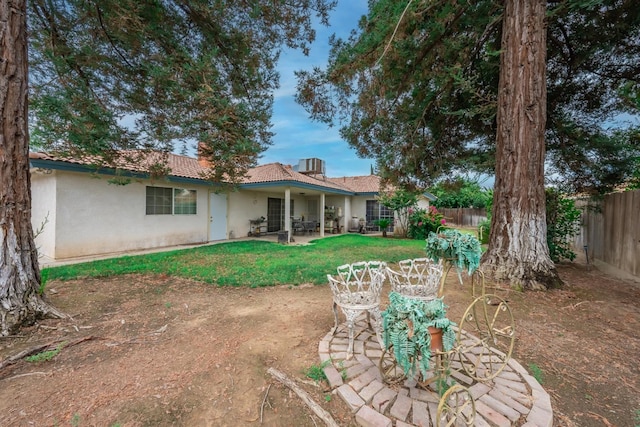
(512, 398)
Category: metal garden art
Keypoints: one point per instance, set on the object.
(422, 344)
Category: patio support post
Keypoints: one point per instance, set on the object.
(287, 214)
(346, 218)
(322, 204)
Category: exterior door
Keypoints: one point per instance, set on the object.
(276, 215)
(217, 216)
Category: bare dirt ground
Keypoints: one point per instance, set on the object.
(162, 351)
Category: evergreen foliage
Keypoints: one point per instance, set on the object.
(461, 193)
(417, 89)
(129, 75)
(406, 323)
(181, 71)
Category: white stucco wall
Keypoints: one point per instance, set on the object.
(94, 217)
(43, 209)
(88, 216)
(243, 206)
(359, 205)
(423, 203)
(247, 205)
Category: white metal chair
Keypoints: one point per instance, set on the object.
(418, 278)
(356, 289)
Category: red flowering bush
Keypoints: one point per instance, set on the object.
(423, 221)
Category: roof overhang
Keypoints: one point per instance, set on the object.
(74, 167)
(308, 189)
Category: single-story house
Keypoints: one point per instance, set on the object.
(81, 211)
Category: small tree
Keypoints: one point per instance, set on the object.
(400, 202)
(383, 224)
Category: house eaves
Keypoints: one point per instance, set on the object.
(430, 196)
(189, 170)
(295, 184)
(83, 168)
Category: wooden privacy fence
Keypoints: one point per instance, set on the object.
(610, 230)
(464, 216)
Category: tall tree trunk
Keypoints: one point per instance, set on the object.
(518, 248)
(20, 302)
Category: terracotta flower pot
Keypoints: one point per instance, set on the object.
(436, 338)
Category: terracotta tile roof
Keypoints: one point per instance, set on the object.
(359, 184)
(135, 161)
(276, 172)
(189, 167)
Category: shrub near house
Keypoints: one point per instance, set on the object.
(424, 221)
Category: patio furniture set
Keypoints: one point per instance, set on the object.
(304, 227)
(479, 346)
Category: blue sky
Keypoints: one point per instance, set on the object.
(296, 135)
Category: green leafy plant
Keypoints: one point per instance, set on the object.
(536, 372)
(461, 249)
(461, 192)
(484, 227)
(444, 383)
(316, 372)
(343, 371)
(406, 323)
(383, 223)
(563, 222)
(45, 356)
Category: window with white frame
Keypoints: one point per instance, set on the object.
(171, 201)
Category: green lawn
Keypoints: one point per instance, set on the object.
(252, 263)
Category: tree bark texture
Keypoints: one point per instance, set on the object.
(518, 248)
(20, 302)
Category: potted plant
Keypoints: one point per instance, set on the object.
(412, 326)
(461, 250)
(383, 224)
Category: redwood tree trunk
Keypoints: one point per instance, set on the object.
(518, 248)
(20, 302)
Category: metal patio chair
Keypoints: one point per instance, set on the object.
(356, 289)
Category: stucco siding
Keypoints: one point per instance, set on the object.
(359, 205)
(423, 203)
(43, 211)
(95, 217)
(248, 205)
(242, 207)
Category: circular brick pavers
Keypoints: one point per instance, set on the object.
(512, 398)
